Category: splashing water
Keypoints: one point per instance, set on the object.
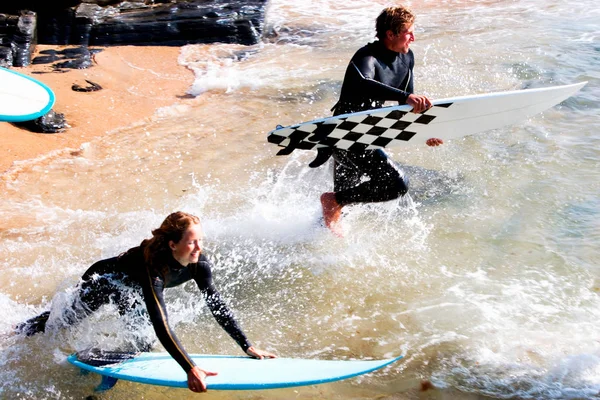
(485, 277)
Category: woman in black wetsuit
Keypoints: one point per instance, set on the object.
(378, 72)
(171, 257)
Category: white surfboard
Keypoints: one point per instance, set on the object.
(23, 98)
(396, 126)
(234, 372)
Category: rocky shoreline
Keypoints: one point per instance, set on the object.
(137, 22)
(100, 23)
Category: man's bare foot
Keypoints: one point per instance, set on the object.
(434, 142)
(332, 212)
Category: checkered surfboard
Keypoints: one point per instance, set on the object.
(396, 126)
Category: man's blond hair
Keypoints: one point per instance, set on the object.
(393, 19)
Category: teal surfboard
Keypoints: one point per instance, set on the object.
(234, 372)
(23, 98)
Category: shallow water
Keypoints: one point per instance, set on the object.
(486, 278)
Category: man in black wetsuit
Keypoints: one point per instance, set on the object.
(171, 257)
(378, 72)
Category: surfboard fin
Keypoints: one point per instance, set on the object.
(287, 150)
(108, 382)
(323, 154)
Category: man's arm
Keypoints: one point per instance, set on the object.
(380, 91)
(362, 74)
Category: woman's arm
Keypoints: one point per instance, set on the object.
(153, 297)
(222, 313)
(217, 306)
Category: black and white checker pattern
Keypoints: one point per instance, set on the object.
(355, 132)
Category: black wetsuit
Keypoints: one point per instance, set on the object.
(374, 75)
(107, 281)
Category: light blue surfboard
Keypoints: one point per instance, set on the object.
(23, 98)
(234, 372)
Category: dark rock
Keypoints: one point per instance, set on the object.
(6, 57)
(24, 39)
(46, 59)
(80, 63)
(56, 27)
(78, 52)
(176, 23)
(8, 26)
(51, 122)
(71, 58)
(17, 33)
(110, 22)
(92, 87)
(14, 7)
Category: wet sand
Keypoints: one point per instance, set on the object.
(136, 81)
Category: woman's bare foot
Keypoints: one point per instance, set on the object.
(332, 212)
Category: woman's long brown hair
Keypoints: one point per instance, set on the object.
(172, 228)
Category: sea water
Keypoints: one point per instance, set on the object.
(486, 277)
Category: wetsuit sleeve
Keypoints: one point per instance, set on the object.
(217, 306)
(362, 72)
(410, 86)
(153, 297)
